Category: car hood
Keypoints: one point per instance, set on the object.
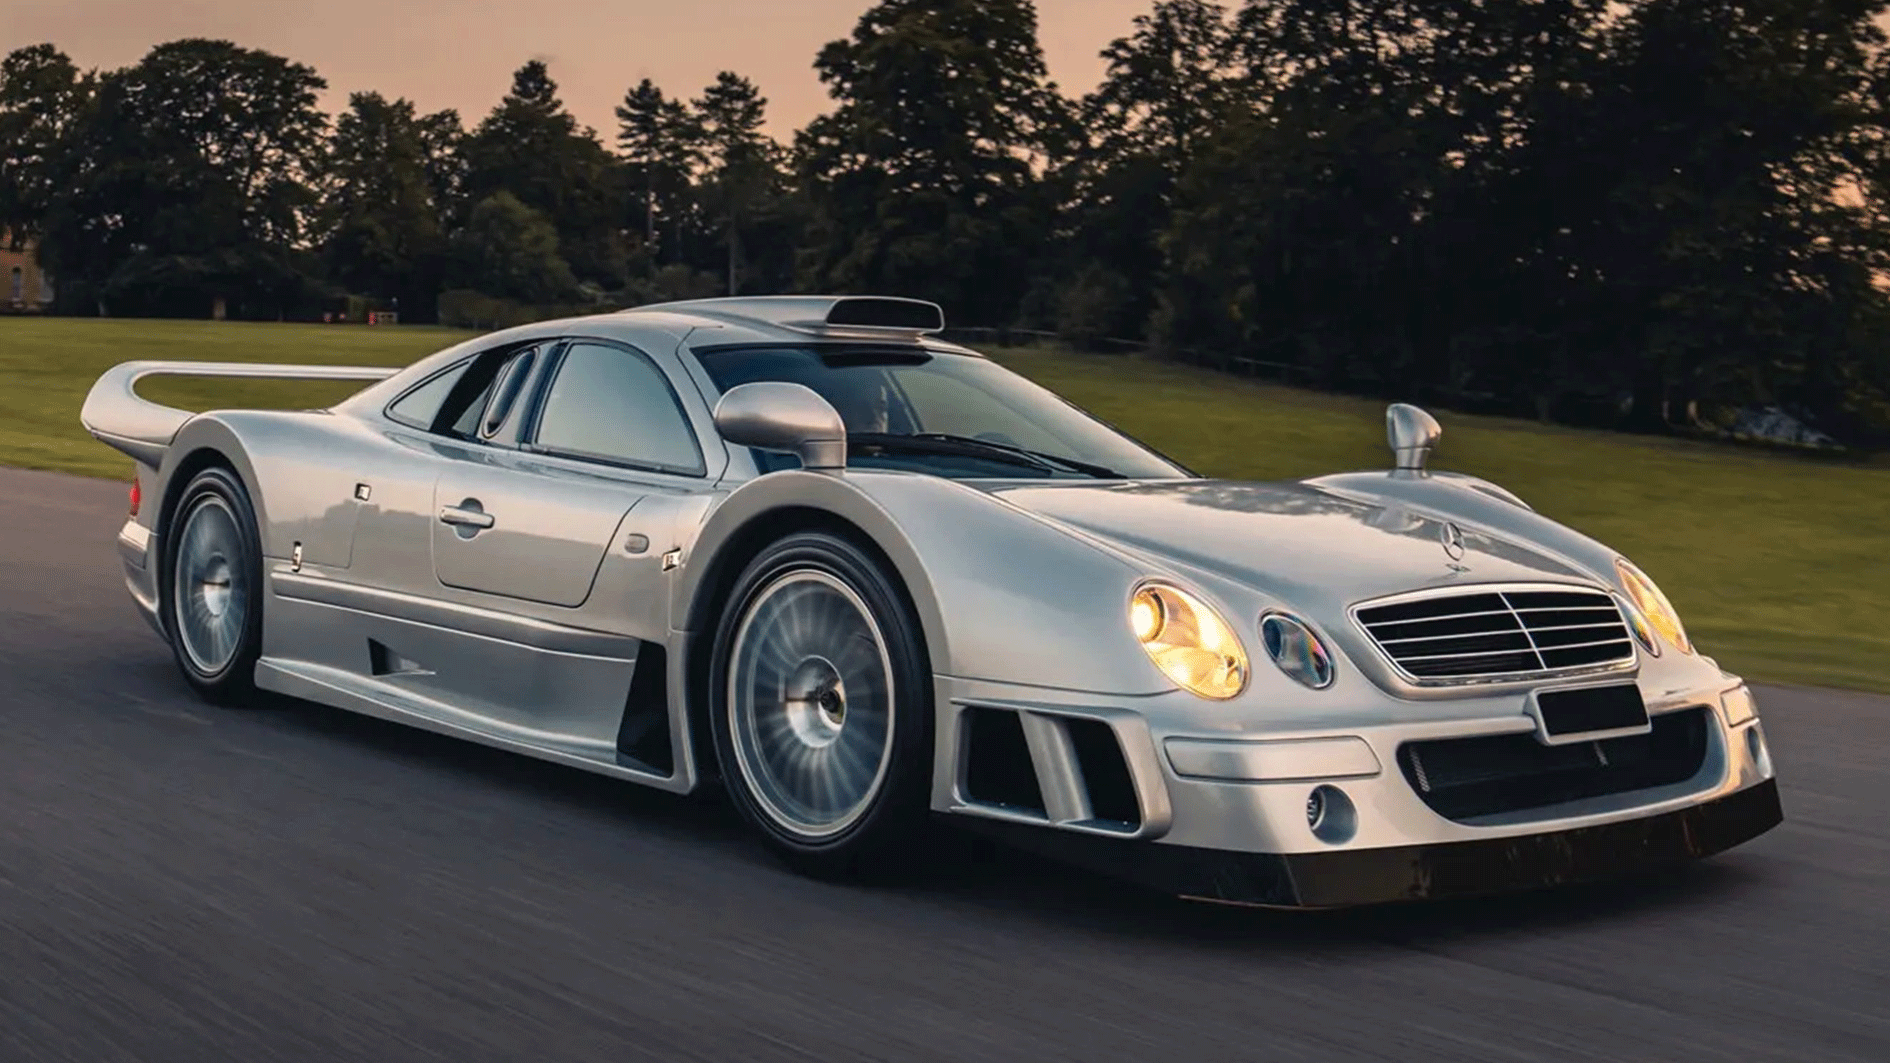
(1292, 541)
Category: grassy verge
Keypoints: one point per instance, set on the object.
(48, 364)
(1778, 564)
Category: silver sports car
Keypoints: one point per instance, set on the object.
(802, 549)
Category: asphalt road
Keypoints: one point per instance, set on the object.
(184, 883)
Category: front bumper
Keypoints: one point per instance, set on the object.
(1383, 803)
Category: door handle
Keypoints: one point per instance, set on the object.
(465, 518)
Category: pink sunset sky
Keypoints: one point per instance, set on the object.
(461, 53)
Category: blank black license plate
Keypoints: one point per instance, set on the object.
(1591, 709)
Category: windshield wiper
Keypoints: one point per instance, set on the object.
(1088, 469)
(946, 443)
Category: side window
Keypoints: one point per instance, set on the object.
(419, 406)
(505, 393)
(454, 401)
(613, 404)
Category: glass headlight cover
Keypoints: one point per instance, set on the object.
(1191, 644)
(1637, 623)
(1653, 605)
(1296, 650)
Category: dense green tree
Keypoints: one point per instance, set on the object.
(1546, 204)
(531, 147)
(1299, 228)
(921, 180)
(42, 98)
(662, 140)
(188, 182)
(389, 200)
(1731, 269)
(1168, 86)
(509, 250)
(742, 176)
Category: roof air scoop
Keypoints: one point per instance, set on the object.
(885, 312)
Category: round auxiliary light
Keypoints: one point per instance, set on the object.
(1756, 749)
(1331, 815)
(1296, 650)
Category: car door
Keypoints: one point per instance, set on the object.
(569, 522)
(501, 530)
(390, 622)
(434, 426)
(533, 522)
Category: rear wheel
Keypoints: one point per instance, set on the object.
(211, 600)
(821, 707)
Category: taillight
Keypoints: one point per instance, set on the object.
(137, 496)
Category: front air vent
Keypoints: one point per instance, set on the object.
(1499, 635)
(1106, 775)
(1085, 783)
(1000, 771)
(1467, 779)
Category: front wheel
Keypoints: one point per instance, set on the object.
(821, 707)
(211, 594)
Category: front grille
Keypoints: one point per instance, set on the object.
(1468, 778)
(1500, 634)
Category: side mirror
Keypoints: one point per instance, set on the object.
(1413, 434)
(791, 418)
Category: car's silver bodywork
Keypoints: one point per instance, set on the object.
(574, 626)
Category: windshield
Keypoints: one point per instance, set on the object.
(950, 414)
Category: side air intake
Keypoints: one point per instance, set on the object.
(1070, 771)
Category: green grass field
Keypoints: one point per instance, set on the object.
(1780, 566)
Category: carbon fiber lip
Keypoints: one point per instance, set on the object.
(1351, 878)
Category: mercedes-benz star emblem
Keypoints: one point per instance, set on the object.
(1453, 540)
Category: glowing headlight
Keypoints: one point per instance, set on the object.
(1297, 651)
(1637, 623)
(1188, 641)
(1652, 604)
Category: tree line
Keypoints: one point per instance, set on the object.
(1624, 211)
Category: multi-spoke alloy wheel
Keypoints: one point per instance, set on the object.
(811, 703)
(210, 599)
(821, 706)
(212, 577)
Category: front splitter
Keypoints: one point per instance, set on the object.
(1349, 878)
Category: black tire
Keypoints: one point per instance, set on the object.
(829, 575)
(222, 573)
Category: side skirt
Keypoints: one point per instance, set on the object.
(342, 690)
(375, 653)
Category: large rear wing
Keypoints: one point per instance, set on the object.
(126, 421)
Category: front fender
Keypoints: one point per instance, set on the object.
(1002, 596)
